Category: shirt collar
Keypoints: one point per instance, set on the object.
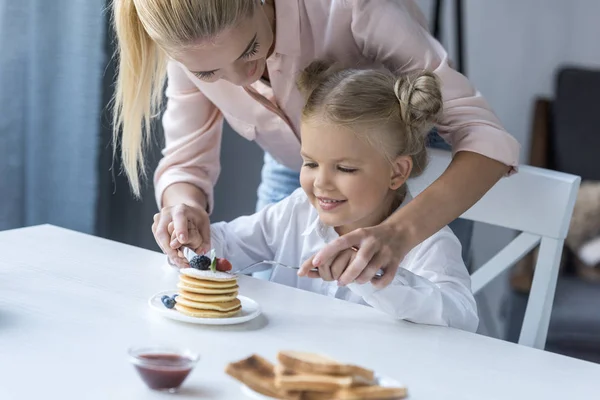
(325, 231)
(287, 27)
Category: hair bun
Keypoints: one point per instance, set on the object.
(312, 76)
(420, 98)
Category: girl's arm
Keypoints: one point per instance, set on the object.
(259, 236)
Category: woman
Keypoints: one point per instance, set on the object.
(238, 60)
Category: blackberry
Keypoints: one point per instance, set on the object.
(200, 262)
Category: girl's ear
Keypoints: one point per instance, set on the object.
(401, 168)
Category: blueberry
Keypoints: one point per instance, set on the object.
(175, 295)
(163, 298)
(168, 302)
(200, 262)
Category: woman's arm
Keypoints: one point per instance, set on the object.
(184, 193)
(193, 127)
(393, 32)
(186, 174)
(468, 177)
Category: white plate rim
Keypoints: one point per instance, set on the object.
(385, 381)
(173, 314)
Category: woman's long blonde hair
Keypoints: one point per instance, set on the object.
(393, 112)
(148, 30)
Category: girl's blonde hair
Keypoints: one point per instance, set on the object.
(148, 30)
(393, 112)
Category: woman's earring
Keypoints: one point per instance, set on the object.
(262, 2)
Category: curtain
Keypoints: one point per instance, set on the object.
(51, 69)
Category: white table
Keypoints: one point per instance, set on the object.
(72, 304)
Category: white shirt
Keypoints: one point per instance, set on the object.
(432, 285)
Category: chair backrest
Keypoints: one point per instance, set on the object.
(535, 201)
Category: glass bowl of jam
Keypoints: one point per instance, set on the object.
(163, 368)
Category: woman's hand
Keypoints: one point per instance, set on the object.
(379, 247)
(329, 272)
(181, 225)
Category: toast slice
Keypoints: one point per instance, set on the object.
(358, 393)
(370, 393)
(317, 395)
(290, 381)
(316, 364)
(259, 375)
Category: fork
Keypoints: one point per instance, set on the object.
(378, 275)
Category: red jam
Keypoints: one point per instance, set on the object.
(164, 371)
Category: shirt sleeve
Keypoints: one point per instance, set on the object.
(193, 126)
(394, 33)
(255, 237)
(432, 286)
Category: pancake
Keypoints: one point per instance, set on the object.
(192, 289)
(208, 298)
(207, 294)
(193, 282)
(217, 306)
(208, 275)
(192, 312)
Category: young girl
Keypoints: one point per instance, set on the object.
(363, 136)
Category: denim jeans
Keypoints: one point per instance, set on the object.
(278, 182)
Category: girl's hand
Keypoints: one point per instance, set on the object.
(181, 225)
(379, 247)
(329, 272)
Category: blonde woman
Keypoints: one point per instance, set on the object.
(238, 60)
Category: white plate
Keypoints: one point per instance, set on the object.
(380, 380)
(250, 310)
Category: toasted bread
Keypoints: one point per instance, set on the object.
(308, 395)
(370, 392)
(362, 393)
(306, 376)
(259, 375)
(317, 364)
(312, 382)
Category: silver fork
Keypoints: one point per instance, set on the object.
(267, 264)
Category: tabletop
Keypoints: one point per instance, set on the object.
(72, 304)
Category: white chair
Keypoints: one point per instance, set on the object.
(535, 201)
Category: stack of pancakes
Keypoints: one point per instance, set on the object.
(207, 294)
